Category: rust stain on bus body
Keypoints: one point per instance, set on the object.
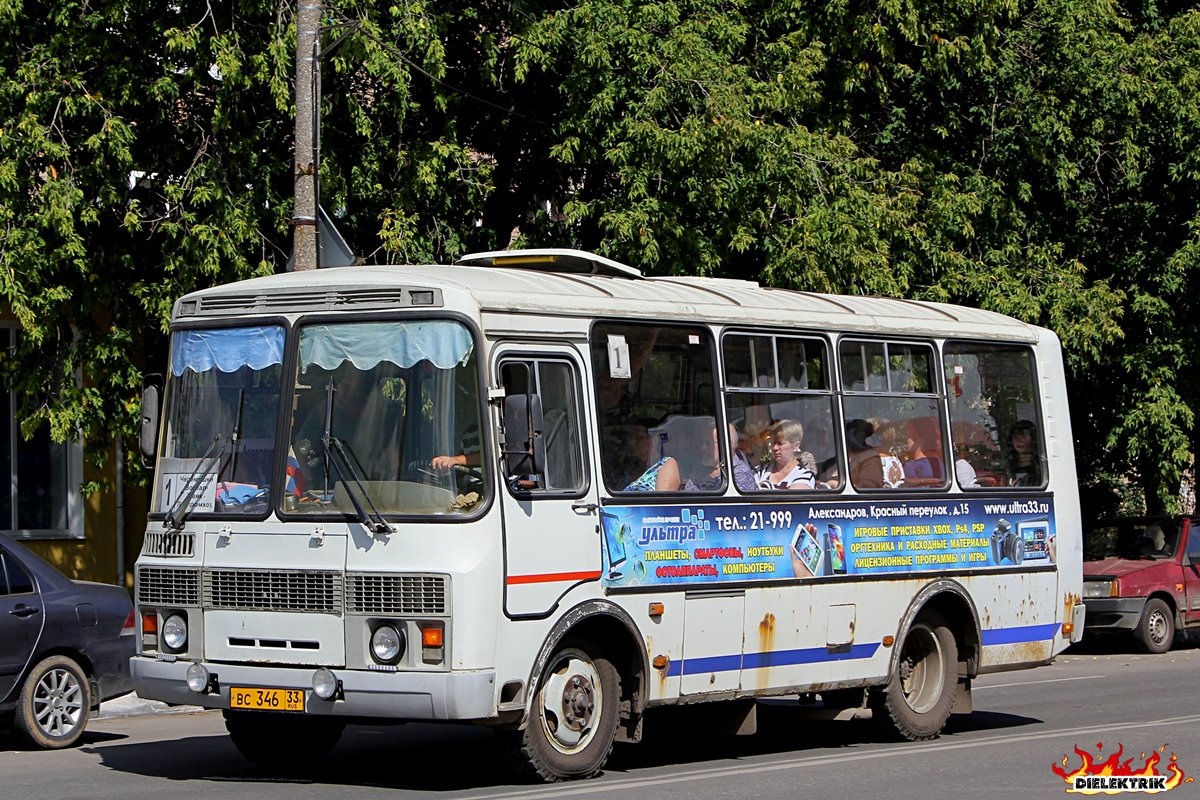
(766, 643)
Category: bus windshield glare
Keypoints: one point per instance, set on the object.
(222, 404)
(385, 420)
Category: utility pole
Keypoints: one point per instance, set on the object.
(308, 145)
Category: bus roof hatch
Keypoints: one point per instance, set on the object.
(577, 262)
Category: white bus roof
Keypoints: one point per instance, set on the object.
(571, 283)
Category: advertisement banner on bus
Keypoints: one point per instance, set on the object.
(693, 544)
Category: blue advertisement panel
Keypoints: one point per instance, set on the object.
(695, 544)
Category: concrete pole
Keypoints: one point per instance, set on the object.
(308, 100)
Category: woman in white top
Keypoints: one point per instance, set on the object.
(784, 470)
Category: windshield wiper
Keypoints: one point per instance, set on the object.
(336, 453)
(177, 513)
(184, 504)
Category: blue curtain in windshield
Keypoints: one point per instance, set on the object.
(227, 349)
(365, 344)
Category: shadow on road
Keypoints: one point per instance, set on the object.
(455, 758)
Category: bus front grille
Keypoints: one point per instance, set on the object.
(168, 586)
(273, 590)
(396, 594)
(169, 544)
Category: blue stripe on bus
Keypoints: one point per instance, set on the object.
(771, 658)
(1026, 633)
(816, 655)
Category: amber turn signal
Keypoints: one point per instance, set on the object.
(431, 637)
(657, 609)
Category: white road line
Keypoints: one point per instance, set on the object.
(840, 757)
(1031, 683)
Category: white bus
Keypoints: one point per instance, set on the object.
(538, 491)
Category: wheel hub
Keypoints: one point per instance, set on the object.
(579, 702)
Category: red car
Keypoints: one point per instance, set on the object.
(1141, 575)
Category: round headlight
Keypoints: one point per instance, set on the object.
(174, 632)
(324, 683)
(387, 643)
(197, 678)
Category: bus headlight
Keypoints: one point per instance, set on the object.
(387, 644)
(174, 632)
(197, 678)
(325, 683)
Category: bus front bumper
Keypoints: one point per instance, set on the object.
(460, 695)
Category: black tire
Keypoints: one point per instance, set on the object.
(1155, 632)
(917, 700)
(275, 740)
(52, 711)
(573, 722)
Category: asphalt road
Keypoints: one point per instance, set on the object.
(1097, 698)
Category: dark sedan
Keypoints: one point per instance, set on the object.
(64, 647)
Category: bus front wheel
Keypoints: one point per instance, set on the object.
(573, 722)
(917, 700)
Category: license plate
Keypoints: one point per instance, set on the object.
(266, 699)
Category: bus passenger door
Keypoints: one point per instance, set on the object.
(548, 500)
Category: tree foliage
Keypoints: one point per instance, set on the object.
(1035, 158)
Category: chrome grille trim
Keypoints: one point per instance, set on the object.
(169, 544)
(389, 593)
(168, 586)
(274, 590)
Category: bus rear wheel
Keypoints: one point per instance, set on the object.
(917, 700)
(573, 722)
(276, 741)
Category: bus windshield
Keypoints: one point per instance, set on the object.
(385, 420)
(222, 404)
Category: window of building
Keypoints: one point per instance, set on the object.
(42, 497)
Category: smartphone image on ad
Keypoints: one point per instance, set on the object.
(807, 549)
(837, 551)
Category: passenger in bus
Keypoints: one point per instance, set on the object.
(922, 459)
(743, 475)
(784, 469)
(865, 467)
(1024, 466)
(698, 466)
(967, 478)
(890, 442)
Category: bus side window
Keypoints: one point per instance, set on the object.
(893, 408)
(543, 392)
(992, 393)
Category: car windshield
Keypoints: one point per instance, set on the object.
(386, 420)
(222, 406)
(1132, 539)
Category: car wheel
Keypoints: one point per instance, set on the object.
(53, 707)
(573, 722)
(278, 741)
(1156, 629)
(917, 700)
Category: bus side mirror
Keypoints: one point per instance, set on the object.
(524, 445)
(147, 441)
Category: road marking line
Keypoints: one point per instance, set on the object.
(840, 757)
(1031, 683)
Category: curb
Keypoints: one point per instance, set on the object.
(131, 705)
